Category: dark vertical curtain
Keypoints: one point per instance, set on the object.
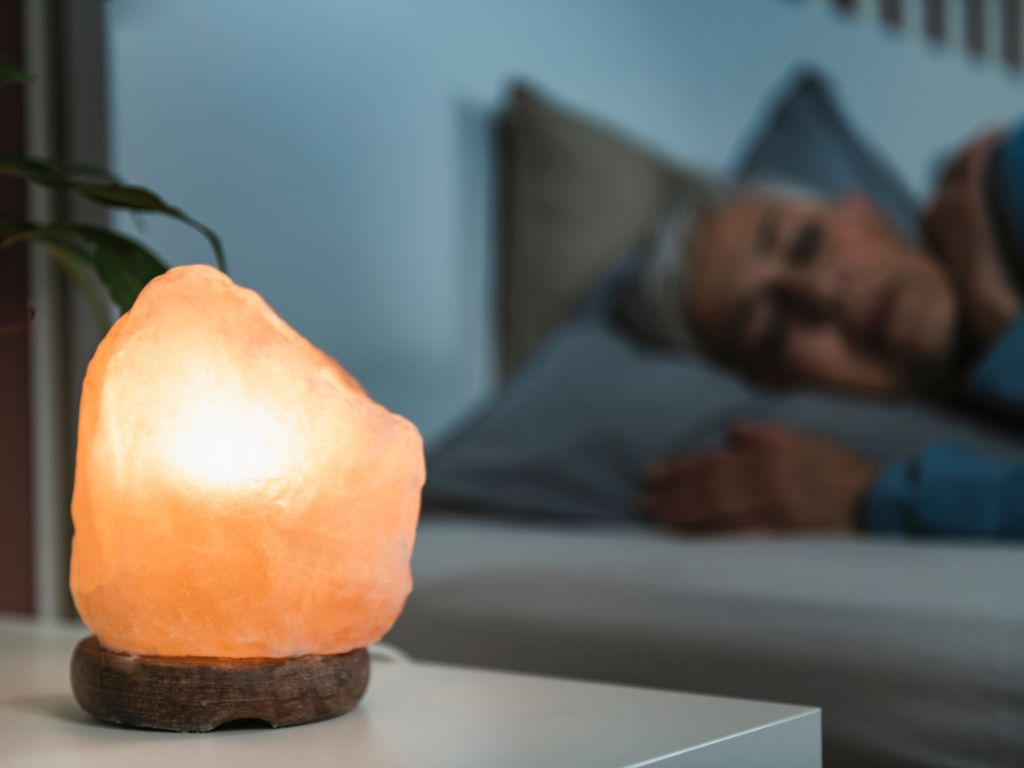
(16, 544)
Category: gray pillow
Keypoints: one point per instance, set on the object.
(574, 196)
(806, 140)
(575, 429)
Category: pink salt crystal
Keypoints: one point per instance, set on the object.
(237, 493)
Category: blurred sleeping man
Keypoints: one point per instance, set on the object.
(794, 290)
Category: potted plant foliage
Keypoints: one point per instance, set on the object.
(123, 264)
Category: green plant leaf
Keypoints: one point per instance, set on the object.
(10, 73)
(30, 169)
(123, 264)
(128, 196)
(82, 171)
(102, 187)
(10, 227)
(70, 255)
(70, 260)
(137, 198)
(46, 173)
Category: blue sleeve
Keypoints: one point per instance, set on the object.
(949, 491)
(999, 376)
(1007, 185)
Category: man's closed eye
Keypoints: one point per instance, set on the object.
(807, 244)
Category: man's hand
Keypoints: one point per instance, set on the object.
(767, 477)
(959, 226)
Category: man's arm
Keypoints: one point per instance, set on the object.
(960, 222)
(768, 476)
(948, 491)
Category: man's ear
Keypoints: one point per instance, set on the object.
(865, 210)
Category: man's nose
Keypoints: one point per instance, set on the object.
(821, 287)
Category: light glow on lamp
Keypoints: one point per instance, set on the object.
(223, 441)
(237, 493)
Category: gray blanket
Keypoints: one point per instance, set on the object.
(915, 651)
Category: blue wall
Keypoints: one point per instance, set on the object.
(339, 147)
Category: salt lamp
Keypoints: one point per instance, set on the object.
(243, 511)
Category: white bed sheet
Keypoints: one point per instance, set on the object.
(914, 650)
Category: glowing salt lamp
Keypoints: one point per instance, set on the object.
(244, 515)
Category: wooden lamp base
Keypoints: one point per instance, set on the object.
(199, 693)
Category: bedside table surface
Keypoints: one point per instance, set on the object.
(413, 715)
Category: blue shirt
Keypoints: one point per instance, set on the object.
(948, 490)
(1006, 177)
(951, 491)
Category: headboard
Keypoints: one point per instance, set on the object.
(574, 197)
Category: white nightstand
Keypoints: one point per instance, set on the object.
(421, 715)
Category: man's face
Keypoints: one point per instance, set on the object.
(830, 294)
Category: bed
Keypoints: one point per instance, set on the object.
(530, 556)
(914, 652)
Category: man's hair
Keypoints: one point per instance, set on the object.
(652, 304)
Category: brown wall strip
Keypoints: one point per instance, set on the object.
(935, 20)
(974, 25)
(1011, 32)
(16, 551)
(892, 12)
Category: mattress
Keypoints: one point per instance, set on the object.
(914, 650)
